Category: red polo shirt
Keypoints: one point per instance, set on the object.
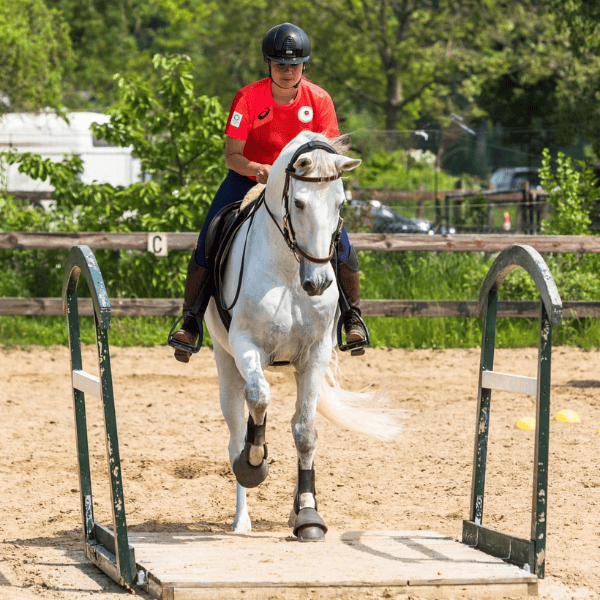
(267, 127)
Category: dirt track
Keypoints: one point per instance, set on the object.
(176, 473)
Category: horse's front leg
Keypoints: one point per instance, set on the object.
(250, 466)
(231, 385)
(304, 518)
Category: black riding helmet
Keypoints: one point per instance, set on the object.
(286, 44)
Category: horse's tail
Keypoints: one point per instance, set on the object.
(362, 412)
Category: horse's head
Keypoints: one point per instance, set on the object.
(307, 178)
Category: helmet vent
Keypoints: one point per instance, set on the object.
(289, 46)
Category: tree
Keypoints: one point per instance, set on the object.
(549, 97)
(113, 36)
(579, 80)
(35, 54)
(415, 58)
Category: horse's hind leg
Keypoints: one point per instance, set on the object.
(306, 522)
(231, 388)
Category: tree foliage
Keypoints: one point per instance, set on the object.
(35, 54)
(573, 194)
(530, 65)
(408, 58)
(115, 36)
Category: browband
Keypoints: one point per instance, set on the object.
(288, 232)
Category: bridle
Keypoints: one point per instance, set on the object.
(288, 230)
(288, 233)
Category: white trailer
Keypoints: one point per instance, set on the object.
(52, 137)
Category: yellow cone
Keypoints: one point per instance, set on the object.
(526, 423)
(568, 415)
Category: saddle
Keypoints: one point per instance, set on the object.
(219, 239)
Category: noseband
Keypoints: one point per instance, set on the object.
(288, 233)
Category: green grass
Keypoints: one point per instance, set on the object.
(49, 331)
(429, 332)
(412, 275)
(391, 332)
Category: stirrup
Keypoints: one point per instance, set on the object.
(182, 345)
(352, 346)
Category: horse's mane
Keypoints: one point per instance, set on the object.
(322, 164)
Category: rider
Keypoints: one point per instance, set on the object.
(264, 117)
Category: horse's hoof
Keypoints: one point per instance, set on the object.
(309, 526)
(247, 475)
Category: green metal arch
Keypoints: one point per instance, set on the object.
(81, 259)
(529, 259)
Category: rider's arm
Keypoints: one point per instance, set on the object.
(236, 161)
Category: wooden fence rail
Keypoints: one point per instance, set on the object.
(383, 242)
(159, 307)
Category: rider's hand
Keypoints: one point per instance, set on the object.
(262, 173)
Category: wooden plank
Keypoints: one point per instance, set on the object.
(383, 242)
(120, 307)
(439, 592)
(16, 240)
(185, 565)
(171, 307)
(403, 242)
(506, 382)
(86, 383)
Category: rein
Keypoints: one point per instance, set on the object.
(288, 233)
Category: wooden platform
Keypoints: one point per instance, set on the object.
(194, 565)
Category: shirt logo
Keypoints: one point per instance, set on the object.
(305, 114)
(236, 119)
(264, 114)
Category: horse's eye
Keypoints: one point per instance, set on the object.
(299, 204)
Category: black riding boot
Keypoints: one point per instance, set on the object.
(353, 326)
(194, 306)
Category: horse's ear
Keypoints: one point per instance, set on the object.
(303, 164)
(345, 163)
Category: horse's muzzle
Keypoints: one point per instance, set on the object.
(315, 290)
(315, 279)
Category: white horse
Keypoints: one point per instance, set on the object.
(286, 308)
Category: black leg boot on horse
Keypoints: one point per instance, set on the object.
(247, 474)
(357, 334)
(198, 289)
(306, 522)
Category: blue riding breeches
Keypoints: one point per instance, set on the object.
(233, 189)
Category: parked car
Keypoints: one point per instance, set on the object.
(513, 179)
(383, 219)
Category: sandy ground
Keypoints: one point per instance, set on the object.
(177, 477)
